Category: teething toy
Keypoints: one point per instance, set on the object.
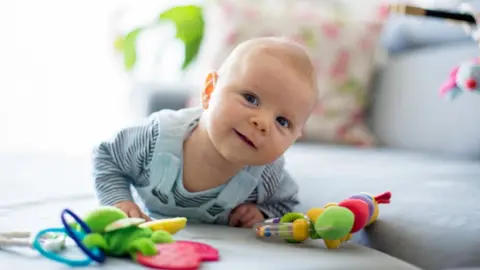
(335, 223)
(148, 243)
(116, 234)
(180, 255)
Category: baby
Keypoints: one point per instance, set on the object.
(223, 162)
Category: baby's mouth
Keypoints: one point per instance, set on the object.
(245, 139)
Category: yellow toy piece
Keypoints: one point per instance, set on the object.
(349, 236)
(301, 230)
(332, 244)
(170, 225)
(314, 213)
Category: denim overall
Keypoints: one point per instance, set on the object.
(166, 167)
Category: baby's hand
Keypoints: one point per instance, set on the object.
(245, 215)
(132, 210)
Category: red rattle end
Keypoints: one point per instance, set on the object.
(471, 84)
(383, 198)
(359, 209)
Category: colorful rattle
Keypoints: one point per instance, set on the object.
(335, 223)
(464, 78)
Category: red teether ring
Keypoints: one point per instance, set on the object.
(172, 257)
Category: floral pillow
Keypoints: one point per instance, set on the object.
(342, 39)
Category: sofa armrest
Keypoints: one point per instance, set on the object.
(408, 113)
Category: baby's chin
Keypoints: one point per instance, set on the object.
(256, 159)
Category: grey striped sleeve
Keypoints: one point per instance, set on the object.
(278, 191)
(118, 163)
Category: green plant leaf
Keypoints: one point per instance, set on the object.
(189, 24)
(129, 48)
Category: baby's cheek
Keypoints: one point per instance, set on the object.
(278, 146)
(231, 110)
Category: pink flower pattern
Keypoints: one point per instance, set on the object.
(330, 30)
(339, 70)
(232, 37)
(251, 13)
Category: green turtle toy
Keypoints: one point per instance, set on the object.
(113, 232)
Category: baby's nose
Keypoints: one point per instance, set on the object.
(260, 123)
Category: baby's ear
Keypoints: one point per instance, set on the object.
(208, 88)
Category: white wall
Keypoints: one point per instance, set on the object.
(61, 86)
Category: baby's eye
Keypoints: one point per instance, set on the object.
(251, 99)
(283, 122)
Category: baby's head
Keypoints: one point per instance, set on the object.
(259, 100)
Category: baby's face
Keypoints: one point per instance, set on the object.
(255, 114)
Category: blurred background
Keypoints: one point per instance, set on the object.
(63, 86)
(74, 72)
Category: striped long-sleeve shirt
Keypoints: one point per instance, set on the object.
(123, 161)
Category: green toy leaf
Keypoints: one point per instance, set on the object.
(142, 245)
(162, 237)
(189, 24)
(334, 223)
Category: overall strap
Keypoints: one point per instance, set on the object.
(240, 187)
(166, 164)
(166, 168)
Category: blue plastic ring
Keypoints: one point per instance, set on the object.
(99, 257)
(52, 255)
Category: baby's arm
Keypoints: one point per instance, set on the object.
(119, 162)
(278, 192)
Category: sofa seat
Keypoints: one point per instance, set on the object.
(433, 220)
(239, 249)
(430, 222)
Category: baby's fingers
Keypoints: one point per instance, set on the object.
(237, 215)
(134, 213)
(146, 217)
